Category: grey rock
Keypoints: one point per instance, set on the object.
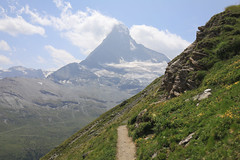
(154, 155)
(203, 95)
(186, 140)
(182, 72)
(207, 90)
(139, 118)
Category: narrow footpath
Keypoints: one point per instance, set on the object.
(126, 149)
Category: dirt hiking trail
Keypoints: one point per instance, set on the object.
(126, 149)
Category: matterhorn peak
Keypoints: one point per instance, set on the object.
(119, 45)
(121, 28)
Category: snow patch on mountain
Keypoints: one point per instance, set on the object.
(107, 73)
(47, 73)
(140, 66)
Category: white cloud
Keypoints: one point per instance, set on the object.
(59, 3)
(18, 25)
(40, 60)
(5, 60)
(84, 29)
(36, 17)
(4, 46)
(64, 6)
(60, 56)
(162, 41)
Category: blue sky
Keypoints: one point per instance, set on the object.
(51, 33)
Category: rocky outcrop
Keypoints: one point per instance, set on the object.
(182, 72)
(177, 78)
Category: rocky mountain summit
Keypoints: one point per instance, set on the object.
(119, 46)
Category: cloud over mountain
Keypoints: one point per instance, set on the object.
(60, 56)
(159, 40)
(84, 29)
(87, 29)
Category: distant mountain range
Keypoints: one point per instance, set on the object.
(62, 102)
(19, 71)
(118, 62)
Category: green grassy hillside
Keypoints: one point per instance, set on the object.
(160, 126)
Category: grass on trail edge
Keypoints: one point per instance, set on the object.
(215, 120)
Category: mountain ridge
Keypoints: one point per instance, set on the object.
(20, 71)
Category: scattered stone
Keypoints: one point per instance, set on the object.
(203, 95)
(186, 140)
(195, 97)
(140, 115)
(148, 137)
(139, 118)
(86, 154)
(154, 155)
(207, 90)
(154, 103)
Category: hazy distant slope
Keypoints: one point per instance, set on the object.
(38, 114)
(19, 71)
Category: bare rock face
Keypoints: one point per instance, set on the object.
(177, 79)
(181, 72)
